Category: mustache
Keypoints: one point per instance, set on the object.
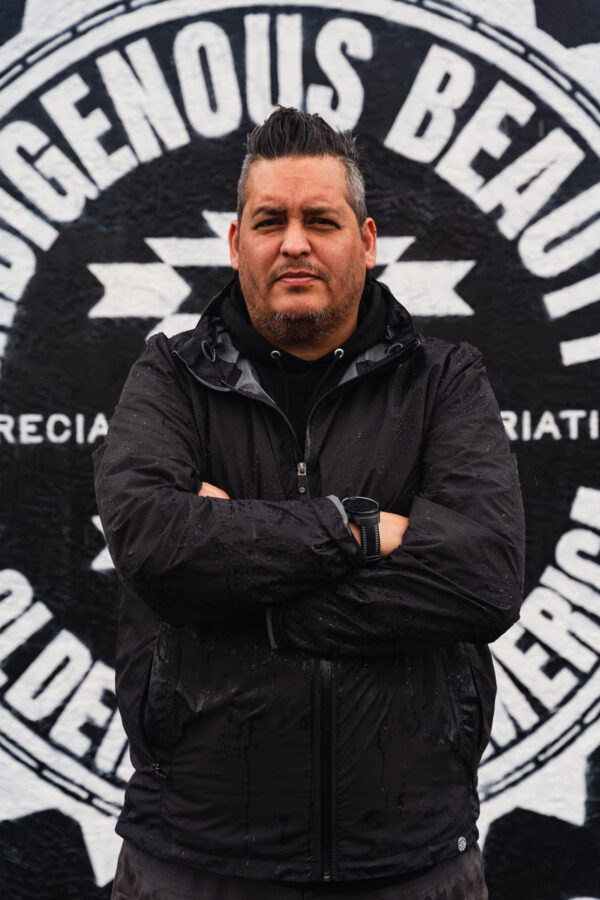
(308, 268)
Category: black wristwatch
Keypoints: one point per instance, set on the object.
(364, 512)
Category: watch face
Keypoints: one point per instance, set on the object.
(360, 505)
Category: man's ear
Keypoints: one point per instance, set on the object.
(369, 235)
(234, 241)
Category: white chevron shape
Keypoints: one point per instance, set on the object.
(103, 562)
(138, 289)
(427, 288)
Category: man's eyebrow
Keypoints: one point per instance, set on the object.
(269, 210)
(265, 209)
(323, 210)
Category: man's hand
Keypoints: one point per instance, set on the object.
(391, 531)
(211, 490)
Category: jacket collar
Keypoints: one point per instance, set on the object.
(209, 354)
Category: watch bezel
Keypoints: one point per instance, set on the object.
(360, 506)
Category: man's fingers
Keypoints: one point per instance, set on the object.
(211, 490)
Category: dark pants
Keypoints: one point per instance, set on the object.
(143, 877)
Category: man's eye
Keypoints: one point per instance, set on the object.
(266, 223)
(319, 220)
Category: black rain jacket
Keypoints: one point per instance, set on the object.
(292, 714)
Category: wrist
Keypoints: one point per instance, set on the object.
(363, 521)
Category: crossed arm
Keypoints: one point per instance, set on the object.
(391, 525)
(454, 575)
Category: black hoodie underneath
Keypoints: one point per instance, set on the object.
(295, 384)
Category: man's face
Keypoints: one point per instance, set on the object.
(300, 253)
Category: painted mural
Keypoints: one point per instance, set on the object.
(121, 131)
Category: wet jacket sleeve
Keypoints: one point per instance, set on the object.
(198, 559)
(458, 574)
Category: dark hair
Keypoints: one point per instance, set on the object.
(291, 132)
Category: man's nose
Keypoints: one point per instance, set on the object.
(295, 240)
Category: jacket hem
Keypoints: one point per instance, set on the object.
(264, 869)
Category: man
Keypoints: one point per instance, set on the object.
(307, 693)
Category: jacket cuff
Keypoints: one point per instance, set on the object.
(340, 508)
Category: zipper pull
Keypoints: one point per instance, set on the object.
(302, 478)
(158, 770)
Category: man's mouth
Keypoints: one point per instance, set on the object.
(297, 278)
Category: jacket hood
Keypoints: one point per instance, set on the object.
(209, 351)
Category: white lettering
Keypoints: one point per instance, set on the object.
(525, 185)
(528, 665)
(550, 246)
(54, 436)
(483, 132)
(547, 425)
(142, 100)
(573, 296)
(21, 630)
(99, 428)
(337, 36)
(569, 558)
(26, 222)
(509, 420)
(50, 678)
(573, 417)
(85, 706)
(8, 310)
(549, 617)
(79, 425)
(259, 90)
(15, 595)
(83, 132)
(28, 428)
(427, 118)
(586, 507)
(35, 180)
(7, 424)
(207, 40)
(17, 265)
(574, 591)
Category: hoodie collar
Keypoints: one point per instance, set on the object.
(210, 354)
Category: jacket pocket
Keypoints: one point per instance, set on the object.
(467, 704)
(164, 715)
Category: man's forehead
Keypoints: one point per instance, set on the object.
(311, 181)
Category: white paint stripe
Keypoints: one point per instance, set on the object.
(493, 773)
(50, 45)
(586, 507)
(445, 29)
(101, 17)
(580, 350)
(56, 760)
(585, 101)
(448, 11)
(493, 32)
(64, 783)
(573, 296)
(11, 74)
(560, 79)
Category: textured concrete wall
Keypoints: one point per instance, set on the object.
(120, 141)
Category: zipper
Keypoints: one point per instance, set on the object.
(302, 478)
(325, 666)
